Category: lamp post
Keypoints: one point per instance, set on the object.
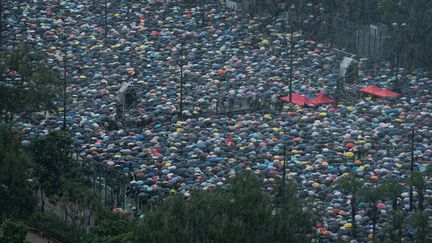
(203, 12)
(64, 86)
(397, 30)
(106, 19)
(181, 80)
(65, 38)
(291, 43)
(291, 65)
(127, 9)
(284, 166)
(411, 169)
(1, 26)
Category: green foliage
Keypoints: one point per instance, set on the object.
(420, 181)
(394, 225)
(111, 227)
(351, 185)
(392, 190)
(422, 226)
(55, 227)
(27, 83)
(52, 155)
(371, 195)
(13, 232)
(293, 220)
(111, 224)
(16, 197)
(243, 213)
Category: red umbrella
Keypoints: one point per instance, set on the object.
(297, 99)
(387, 93)
(221, 72)
(321, 99)
(371, 89)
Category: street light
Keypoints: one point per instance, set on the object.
(411, 168)
(64, 85)
(291, 43)
(397, 29)
(284, 165)
(1, 25)
(181, 79)
(106, 19)
(64, 77)
(203, 11)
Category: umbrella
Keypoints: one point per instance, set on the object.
(384, 93)
(371, 89)
(297, 99)
(321, 99)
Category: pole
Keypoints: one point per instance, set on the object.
(64, 87)
(181, 80)
(412, 168)
(127, 9)
(397, 59)
(284, 166)
(106, 19)
(291, 63)
(203, 12)
(1, 25)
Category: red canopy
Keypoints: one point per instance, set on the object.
(297, 99)
(387, 93)
(321, 99)
(371, 89)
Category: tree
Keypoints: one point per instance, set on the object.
(351, 184)
(111, 227)
(13, 232)
(27, 84)
(421, 225)
(394, 225)
(242, 213)
(249, 205)
(293, 220)
(371, 195)
(420, 182)
(16, 198)
(164, 224)
(79, 204)
(392, 190)
(52, 155)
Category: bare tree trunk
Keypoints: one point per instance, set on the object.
(394, 204)
(421, 200)
(42, 201)
(66, 214)
(353, 214)
(374, 221)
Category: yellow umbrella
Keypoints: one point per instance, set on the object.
(347, 225)
(265, 42)
(349, 154)
(267, 116)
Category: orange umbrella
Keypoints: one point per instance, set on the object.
(349, 145)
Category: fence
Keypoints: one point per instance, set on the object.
(378, 42)
(110, 185)
(365, 41)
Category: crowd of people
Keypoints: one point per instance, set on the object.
(150, 44)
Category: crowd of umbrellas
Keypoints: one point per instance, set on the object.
(228, 56)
